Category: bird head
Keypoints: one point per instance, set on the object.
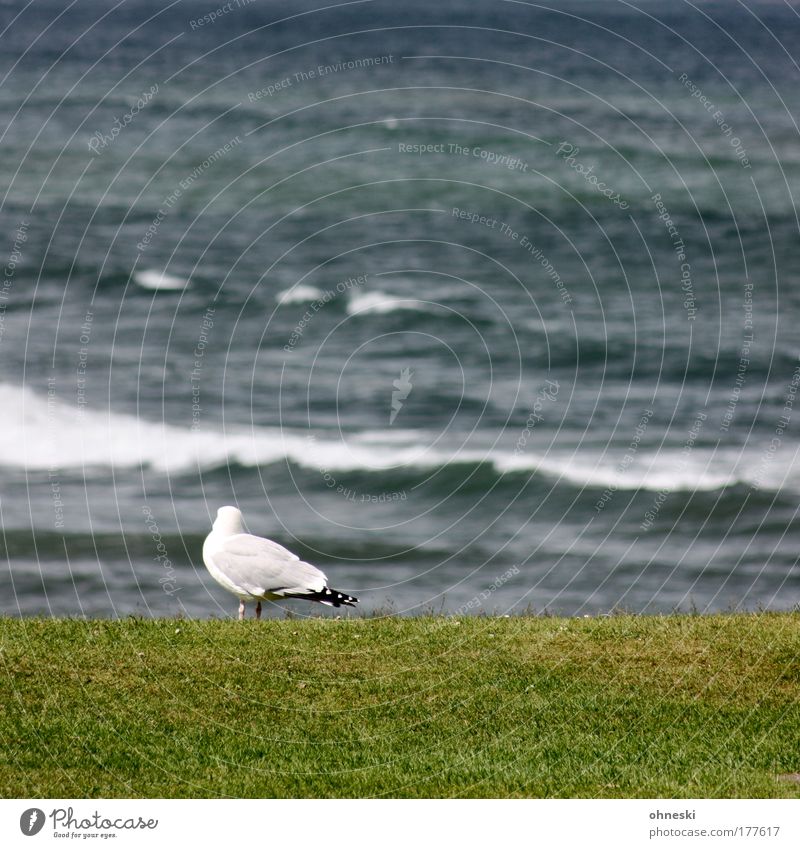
(228, 521)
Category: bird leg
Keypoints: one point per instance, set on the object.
(258, 610)
(241, 610)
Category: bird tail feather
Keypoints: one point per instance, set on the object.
(329, 597)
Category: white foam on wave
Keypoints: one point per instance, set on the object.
(668, 469)
(159, 281)
(299, 294)
(47, 433)
(43, 432)
(381, 302)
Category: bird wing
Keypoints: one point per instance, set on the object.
(248, 545)
(261, 566)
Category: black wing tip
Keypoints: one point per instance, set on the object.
(329, 597)
(338, 599)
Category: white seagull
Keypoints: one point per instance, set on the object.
(257, 569)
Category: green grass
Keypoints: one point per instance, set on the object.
(626, 706)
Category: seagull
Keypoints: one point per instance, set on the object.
(258, 569)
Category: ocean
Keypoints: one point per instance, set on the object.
(482, 307)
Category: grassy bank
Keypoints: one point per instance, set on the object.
(612, 707)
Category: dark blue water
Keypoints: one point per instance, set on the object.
(480, 306)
